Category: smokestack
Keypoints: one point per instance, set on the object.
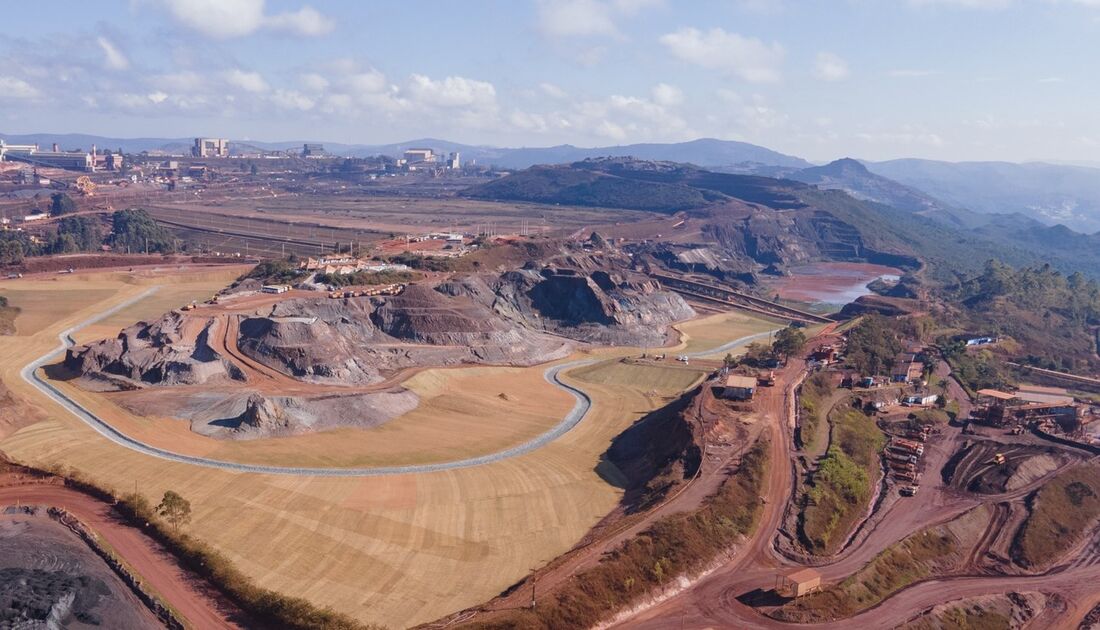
(55, 148)
(93, 151)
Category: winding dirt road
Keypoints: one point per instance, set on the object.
(186, 593)
(715, 600)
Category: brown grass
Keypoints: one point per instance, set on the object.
(1061, 513)
(673, 546)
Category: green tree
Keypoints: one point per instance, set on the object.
(788, 342)
(86, 232)
(61, 203)
(11, 252)
(136, 231)
(174, 508)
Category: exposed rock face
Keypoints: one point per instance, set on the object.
(516, 318)
(256, 416)
(609, 307)
(358, 340)
(163, 352)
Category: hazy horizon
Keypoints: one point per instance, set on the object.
(938, 79)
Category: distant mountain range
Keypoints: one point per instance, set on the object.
(959, 192)
(820, 217)
(1050, 193)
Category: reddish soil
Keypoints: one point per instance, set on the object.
(719, 455)
(833, 283)
(188, 594)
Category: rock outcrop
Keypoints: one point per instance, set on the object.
(170, 351)
(601, 306)
(360, 340)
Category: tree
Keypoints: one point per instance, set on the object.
(86, 232)
(61, 203)
(11, 252)
(253, 170)
(136, 231)
(788, 342)
(175, 509)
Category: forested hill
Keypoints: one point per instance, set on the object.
(1051, 316)
(950, 249)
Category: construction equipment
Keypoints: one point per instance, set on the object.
(999, 459)
(85, 185)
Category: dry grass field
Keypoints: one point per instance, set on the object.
(715, 330)
(332, 217)
(396, 550)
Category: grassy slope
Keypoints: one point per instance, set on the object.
(842, 485)
(815, 394)
(927, 553)
(1061, 513)
(674, 545)
(577, 187)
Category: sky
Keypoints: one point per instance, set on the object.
(955, 80)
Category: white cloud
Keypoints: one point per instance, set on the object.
(830, 67)
(553, 91)
(362, 83)
(315, 82)
(157, 97)
(307, 22)
(1051, 80)
(667, 95)
(224, 19)
(15, 89)
(112, 56)
(528, 121)
(292, 99)
(186, 81)
(576, 18)
(905, 136)
(619, 118)
(744, 57)
(247, 81)
(588, 18)
(451, 91)
(218, 18)
(630, 7)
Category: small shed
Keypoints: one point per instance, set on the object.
(921, 400)
(739, 387)
(798, 583)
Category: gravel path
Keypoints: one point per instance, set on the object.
(581, 406)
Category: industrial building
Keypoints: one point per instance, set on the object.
(313, 150)
(419, 156)
(453, 161)
(31, 154)
(210, 147)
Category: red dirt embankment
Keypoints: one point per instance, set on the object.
(49, 264)
(199, 603)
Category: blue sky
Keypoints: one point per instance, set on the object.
(877, 79)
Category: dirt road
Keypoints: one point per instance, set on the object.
(714, 601)
(189, 595)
